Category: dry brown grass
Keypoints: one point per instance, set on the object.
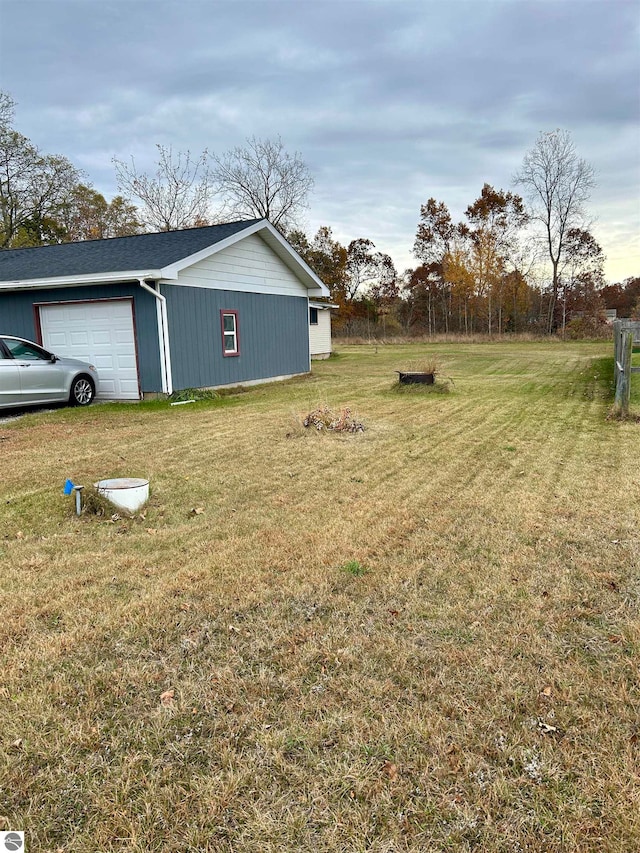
(509, 338)
(219, 682)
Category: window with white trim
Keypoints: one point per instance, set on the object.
(313, 316)
(230, 338)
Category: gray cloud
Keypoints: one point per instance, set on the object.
(389, 102)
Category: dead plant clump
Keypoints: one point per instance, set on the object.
(427, 365)
(430, 366)
(95, 505)
(324, 419)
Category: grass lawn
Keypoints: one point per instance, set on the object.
(422, 637)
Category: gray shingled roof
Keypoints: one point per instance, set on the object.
(118, 254)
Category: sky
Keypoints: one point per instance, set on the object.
(389, 102)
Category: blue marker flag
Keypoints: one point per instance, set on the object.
(68, 487)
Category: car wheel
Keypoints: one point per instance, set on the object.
(82, 391)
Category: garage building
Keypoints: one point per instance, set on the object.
(204, 307)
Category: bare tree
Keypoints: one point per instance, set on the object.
(7, 108)
(558, 184)
(264, 180)
(177, 196)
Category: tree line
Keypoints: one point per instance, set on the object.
(513, 263)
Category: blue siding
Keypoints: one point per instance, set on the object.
(17, 317)
(273, 333)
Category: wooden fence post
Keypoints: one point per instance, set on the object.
(624, 350)
(617, 334)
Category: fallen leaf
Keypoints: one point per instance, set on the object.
(453, 756)
(167, 697)
(546, 728)
(196, 510)
(19, 535)
(391, 770)
(17, 743)
(152, 530)
(546, 691)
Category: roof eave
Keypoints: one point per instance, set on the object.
(76, 280)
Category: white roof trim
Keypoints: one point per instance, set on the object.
(263, 227)
(273, 239)
(74, 280)
(325, 305)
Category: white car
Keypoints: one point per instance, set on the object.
(31, 376)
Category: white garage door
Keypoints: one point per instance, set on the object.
(100, 333)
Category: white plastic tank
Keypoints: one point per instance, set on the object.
(127, 493)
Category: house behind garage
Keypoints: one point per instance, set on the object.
(320, 328)
(200, 308)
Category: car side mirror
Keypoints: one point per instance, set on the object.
(53, 358)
